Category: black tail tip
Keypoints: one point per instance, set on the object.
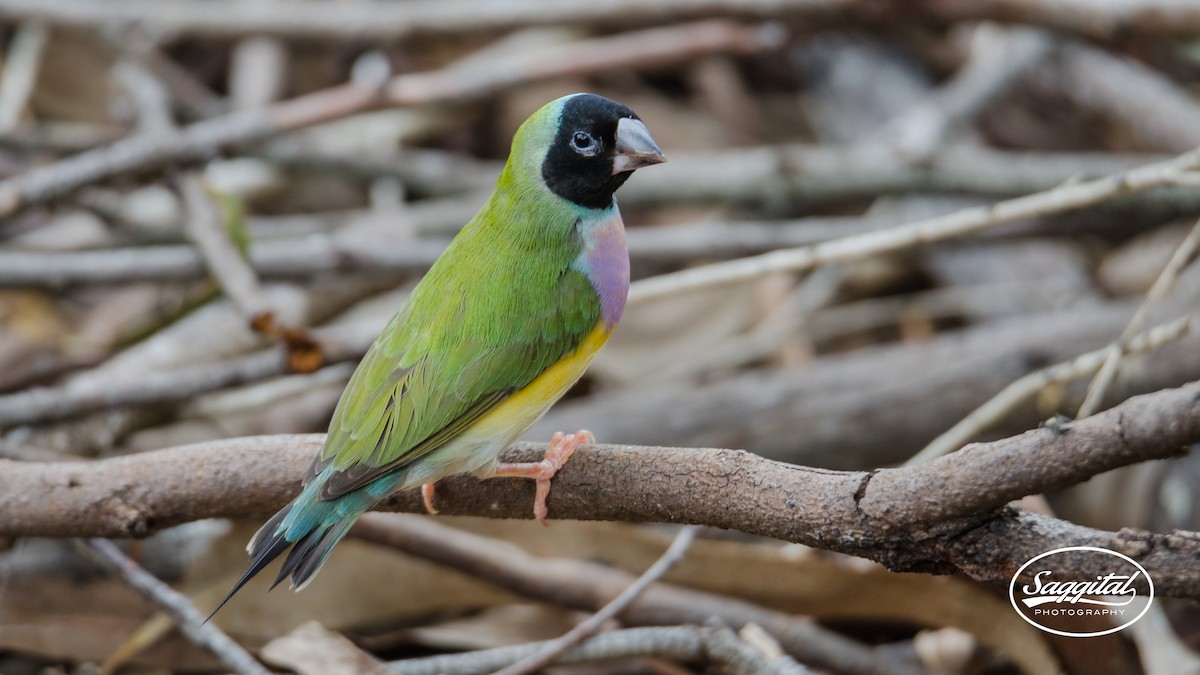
(274, 547)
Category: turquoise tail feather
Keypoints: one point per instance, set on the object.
(311, 527)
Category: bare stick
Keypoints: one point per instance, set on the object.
(1021, 390)
(161, 388)
(1101, 20)
(150, 98)
(479, 77)
(549, 653)
(21, 71)
(205, 228)
(1063, 198)
(998, 59)
(1159, 289)
(762, 642)
(1153, 109)
(175, 605)
(677, 643)
(882, 515)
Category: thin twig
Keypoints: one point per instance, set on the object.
(1021, 390)
(1063, 198)
(1158, 290)
(175, 605)
(549, 653)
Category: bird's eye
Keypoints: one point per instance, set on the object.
(584, 144)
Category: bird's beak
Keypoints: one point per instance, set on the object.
(635, 147)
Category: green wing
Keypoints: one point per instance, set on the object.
(447, 359)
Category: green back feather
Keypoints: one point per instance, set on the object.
(449, 355)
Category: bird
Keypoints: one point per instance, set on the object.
(500, 327)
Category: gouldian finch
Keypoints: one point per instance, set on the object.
(506, 320)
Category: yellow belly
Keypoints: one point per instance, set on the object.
(476, 449)
(519, 411)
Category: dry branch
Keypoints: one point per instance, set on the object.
(998, 60)
(205, 227)
(1162, 285)
(20, 71)
(588, 585)
(164, 388)
(875, 406)
(176, 605)
(1103, 20)
(215, 244)
(233, 18)
(805, 174)
(794, 172)
(476, 78)
(585, 629)
(926, 517)
(1026, 387)
(325, 253)
(1063, 198)
(678, 643)
(1158, 113)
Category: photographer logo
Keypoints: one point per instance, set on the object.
(1050, 598)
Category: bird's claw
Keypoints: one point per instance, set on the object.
(560, 449)
(427, 490)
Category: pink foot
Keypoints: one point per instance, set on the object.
(560, 450)
(427, 497)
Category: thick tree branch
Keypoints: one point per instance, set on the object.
(931, 516)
